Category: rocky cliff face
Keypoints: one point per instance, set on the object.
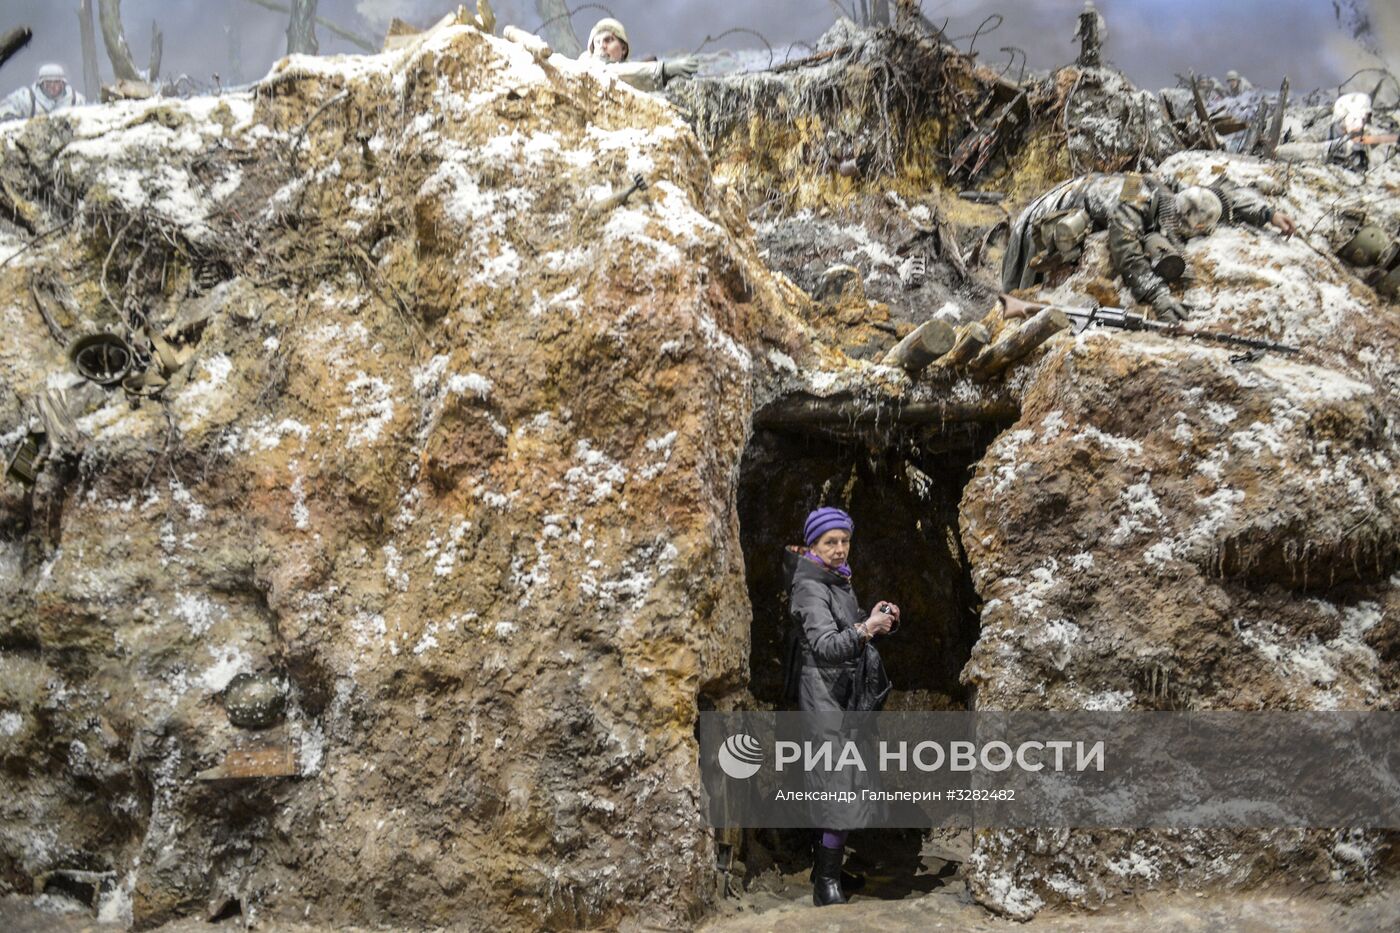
(1172, 526)
(444, 464)
(452, 465)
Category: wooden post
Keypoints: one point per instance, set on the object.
(1026, 338)
(1202, 114)
(970, 341)
(1276, 128)
(92, 74)
(922, 346)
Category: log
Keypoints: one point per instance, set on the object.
(92, 74)
(109, 15)
(971, 338)
(810, 412)
(925, 343)
(1046, 324)
(14, 40)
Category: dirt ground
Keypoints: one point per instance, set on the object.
(931, 897)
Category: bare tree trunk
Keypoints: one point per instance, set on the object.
(862, 12)
(559, 28)
(109, 14)
(92, 77)
(157, 47)
(301, 28)
(347, 35)
(880, 12)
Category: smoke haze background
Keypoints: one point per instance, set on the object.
(1311, 41)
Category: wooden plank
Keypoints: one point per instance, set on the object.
(272, 761)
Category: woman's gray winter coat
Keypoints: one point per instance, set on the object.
(825, 607)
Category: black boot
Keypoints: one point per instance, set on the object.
(826, 877)
(850, 881)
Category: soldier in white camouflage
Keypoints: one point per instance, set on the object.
(50, 92)
(607, 42)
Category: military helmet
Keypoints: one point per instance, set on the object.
(1365, 246)
(52, 72)
(609, 26)
(1352, 111)
(1198, 210)
(103, 358)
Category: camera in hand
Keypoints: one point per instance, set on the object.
(888, 610)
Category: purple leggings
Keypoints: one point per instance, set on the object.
(833, 839)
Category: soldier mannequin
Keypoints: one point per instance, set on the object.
(50, 92)
(1146, 221)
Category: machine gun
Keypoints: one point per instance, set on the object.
(1081, 319)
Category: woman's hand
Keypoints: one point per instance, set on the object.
(883, 620)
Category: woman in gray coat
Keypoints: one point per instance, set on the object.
(834, 634)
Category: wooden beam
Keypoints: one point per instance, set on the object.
(805, 411)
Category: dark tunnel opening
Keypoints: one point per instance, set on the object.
(902, 488)
(902, 482)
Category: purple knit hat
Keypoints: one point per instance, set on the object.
(825, 519)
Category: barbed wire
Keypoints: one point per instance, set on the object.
(979, 31)
(570, 12)
(1011, 50)
(729, 32)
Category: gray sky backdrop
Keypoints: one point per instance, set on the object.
(1150, 40)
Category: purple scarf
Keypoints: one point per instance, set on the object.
(844, 570)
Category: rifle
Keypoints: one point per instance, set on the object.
(1081, 319)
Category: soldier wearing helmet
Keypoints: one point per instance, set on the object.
(1349, 140)
(50, 91)
(1147, 223)
(607, 43)
(1235, 85)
